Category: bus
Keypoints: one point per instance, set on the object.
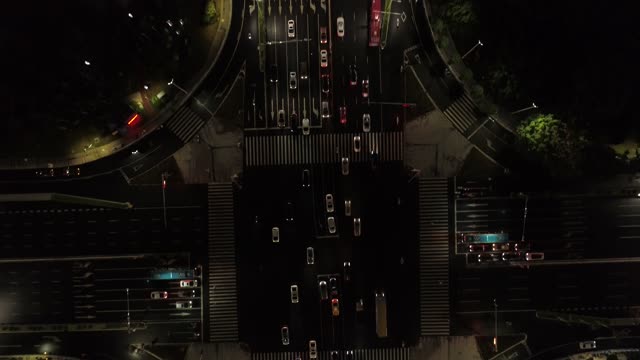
(381, 314)
(484, 238)
(375, 23)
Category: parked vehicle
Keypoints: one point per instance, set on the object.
(340, 26)
(331, 224)
(311, 256)
(294, 294)
(291, 29)
(284, 332)
(357, 227)
(328, 201)
(322, 287)
(157, 295)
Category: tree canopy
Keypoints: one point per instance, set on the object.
(553, 142)
(458, 12)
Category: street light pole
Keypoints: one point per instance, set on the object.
(164, 198)
(479, 43)
(173, 83)
(495, 325)
(524, 218)
(128, 314)
(533, 106)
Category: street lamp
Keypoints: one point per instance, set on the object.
(533, 106)
(495, 324)
(130, 15)
(163, 178)
(86, 62)
(173, 83)
(479, 43)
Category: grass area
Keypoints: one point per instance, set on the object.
(385, 20)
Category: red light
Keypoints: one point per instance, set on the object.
(133, 120)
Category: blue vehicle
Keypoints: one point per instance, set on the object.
(172, 274)
(485, 238)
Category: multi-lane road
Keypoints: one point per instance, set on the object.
(380, 257)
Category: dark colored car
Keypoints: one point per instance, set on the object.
(273, 74)
(353, 75)
(333, 284)
(306, 178)
(326, 85)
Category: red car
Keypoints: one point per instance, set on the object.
(343, 115)
(323, 35)
(335, 307)
(365, 88)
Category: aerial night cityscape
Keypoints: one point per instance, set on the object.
(319, 179)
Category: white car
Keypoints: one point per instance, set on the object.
(366, 122)
(347, 208)
(340, 26)
(324, 59)
(275, 234)
(293, 80)
(184, 304)
(313, 349)
(188, 283)
(306, 126)
(331, 224)
(294, 294)
(357, 144)
(325, 110)
(357, 227)
(328, 201)
(281, 119)
(291, 28)
(345, 166)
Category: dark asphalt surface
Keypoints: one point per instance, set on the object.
(268, 269)
(94, 292)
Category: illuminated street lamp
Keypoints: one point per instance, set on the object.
(86, 62)
(479, 43)
(173, 83)
(533, 106)
(130, 15)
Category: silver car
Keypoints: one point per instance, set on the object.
(347, 208)
(366, 122)
(281, 119)
(328, 201)
(331, 224)
(311, 256)
(357, 145)
(184, 304)
(313, 349)
(275, 234)
(306, 126)
(324, 107)
(324, 291)
(357, 227)
(293, 80)
(345, 166)
(294, 294)
(291, 28)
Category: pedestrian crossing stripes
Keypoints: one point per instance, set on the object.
(462, 113)
(185, 123)
(223, 293)
(360, 354)
(434, 256)
(321, 148)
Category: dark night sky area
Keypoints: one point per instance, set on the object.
(575, 55)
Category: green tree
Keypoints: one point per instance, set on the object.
(210, 12)
(502, 84)
(552, 142)
(459, 12)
